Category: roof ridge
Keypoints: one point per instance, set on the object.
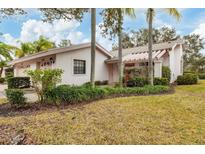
(172, 41)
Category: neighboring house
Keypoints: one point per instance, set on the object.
(75, 61)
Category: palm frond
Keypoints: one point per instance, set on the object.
(173, 12)
(129, 12)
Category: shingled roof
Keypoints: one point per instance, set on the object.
(57, 51)
(142, 50)
(159, 46)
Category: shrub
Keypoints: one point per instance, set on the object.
(16, 97)
(97, 83)
(161, 81)
(166, 73)
(189, 72)
(137, 82)
(201, 76)
(9, 72)
(18, 82)
(187, 79)
(104, 82)
(75, 94)
(2, 80)
(44, 80)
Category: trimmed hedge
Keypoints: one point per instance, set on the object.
(98, 83)
(166, 72)
(137, 82)
(141, 82)
(2, 80)
(201, 76)
(189, 72)
(187, 79)
(161, 81)
(18, 82)
(75, 94)
(16, 97)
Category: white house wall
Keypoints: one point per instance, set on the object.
(20, 72)
(175, 62)
(165, 60)
(65, 62)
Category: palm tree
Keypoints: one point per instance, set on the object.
(113, 26)
(27, 48)
(2, 65)
(150, 16)
(5, 55)
(42, 44)
(129, 12)
(93, 46)
(6, 51)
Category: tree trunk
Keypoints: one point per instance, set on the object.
(150, 64)
(93, 46)
(1, 71)
(120, 65)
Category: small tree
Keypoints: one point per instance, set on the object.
(44, 80)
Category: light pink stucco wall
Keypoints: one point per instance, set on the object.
(65, 62)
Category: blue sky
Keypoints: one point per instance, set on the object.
(29, 27)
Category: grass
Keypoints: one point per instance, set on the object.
(2, 101)
(177, 118)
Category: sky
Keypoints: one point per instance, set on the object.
(29, 27)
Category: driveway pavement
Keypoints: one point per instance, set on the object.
(29, 94)
(2, 90)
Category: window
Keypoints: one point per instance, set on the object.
(79, 66)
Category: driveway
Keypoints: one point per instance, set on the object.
(29, 93)
(2, 90)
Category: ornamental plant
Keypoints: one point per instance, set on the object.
(44, 80)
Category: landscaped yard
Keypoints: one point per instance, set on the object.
(177, 118)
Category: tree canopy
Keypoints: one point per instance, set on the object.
(27, 48)
(51, 14)
(193, 44)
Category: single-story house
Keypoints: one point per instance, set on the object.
(75, 61)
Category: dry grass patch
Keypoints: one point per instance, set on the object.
(177, 118)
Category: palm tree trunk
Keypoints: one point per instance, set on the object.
(1, 71)
(150, 64)
(93, 46)
(120, 65)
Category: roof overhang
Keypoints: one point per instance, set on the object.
(141, 53)
(138, 57)
(57, 51)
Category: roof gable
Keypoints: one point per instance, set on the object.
(60, 50)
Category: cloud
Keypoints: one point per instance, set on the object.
(158, 23)
(105, 42)
(8, 39)
(200, 30)
(58, 30)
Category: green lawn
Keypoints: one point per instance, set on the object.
(177, 118)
